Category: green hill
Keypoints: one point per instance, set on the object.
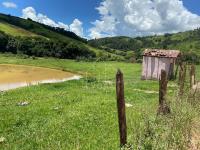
(26, 36)
(188, 42)
(40, 29)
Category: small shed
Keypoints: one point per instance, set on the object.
(155, 60)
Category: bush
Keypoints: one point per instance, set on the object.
(191, 57)
(90, 79)
(3, 42)
(139, 61)
(40, 47)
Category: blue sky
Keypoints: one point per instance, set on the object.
(192, 5)
(113, 17)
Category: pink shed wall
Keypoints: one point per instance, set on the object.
(152, 66)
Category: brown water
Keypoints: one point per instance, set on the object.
(14, 76)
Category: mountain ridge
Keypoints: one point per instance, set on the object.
(188, 42)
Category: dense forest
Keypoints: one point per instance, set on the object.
(42, 47)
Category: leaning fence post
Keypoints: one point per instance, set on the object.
(192, 76)
(163, 107)
(121, 108)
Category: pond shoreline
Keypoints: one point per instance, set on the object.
(11, 86)
(15, 76)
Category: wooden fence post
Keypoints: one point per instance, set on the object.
(180, 73)
(121, 108)
(176, 72)
(192, 76)
(171, 71)
(163, 107)
(182, 76)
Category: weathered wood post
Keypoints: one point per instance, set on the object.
(171, 71)
(182, 77)
(178, 63)
(180, 73)
(121, 108)
(176, 72)
(192, 76)
(163, 107)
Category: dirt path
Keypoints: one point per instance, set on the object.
(195, 136)
(196, 86)
(145, 91)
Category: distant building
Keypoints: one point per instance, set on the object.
(155, 60)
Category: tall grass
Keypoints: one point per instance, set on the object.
(174, 131)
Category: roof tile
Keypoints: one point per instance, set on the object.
(162, 53)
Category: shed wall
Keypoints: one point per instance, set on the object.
(152, 67)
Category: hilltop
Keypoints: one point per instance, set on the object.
(25, 36)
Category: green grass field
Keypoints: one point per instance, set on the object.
(82, 115)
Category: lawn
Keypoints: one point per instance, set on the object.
(82, 114)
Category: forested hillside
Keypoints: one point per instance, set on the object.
(188, 42)
(24, 36)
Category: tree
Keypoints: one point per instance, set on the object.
(3, 42)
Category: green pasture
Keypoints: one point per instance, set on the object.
(82, 114)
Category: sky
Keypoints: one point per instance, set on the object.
(105, 18)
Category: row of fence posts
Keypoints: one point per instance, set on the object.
(163, 108)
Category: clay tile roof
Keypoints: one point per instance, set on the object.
(162, 53)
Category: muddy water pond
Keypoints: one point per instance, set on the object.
(15, 76)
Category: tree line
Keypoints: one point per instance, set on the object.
(43, 47)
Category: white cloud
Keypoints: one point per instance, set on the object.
(9, 5)
(76, 27)
(45, 20)
(31, 13)
(146, 17)
(64, 26)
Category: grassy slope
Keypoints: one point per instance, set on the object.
(34, 27)
(104, 53)
(82, 114)
(15, 31)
